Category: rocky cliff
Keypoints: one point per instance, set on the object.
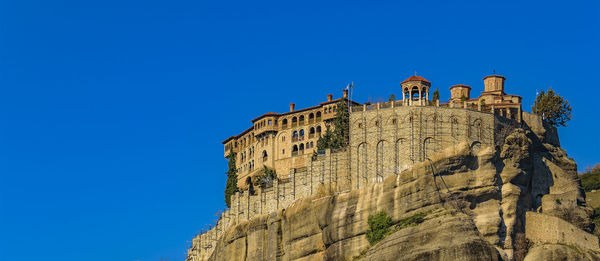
(474, 204)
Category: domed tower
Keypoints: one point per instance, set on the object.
(415, 90)
(494, 84)
(457, 92)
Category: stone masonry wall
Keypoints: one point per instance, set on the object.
(386, 139)
(541, 228)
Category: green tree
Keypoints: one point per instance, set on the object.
(463, 98)
(553, 108)
(231, 184)
(340, 136)
(392, 97)
(436, 95)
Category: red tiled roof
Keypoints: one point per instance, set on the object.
(265, 115)
(460, 85)
(416, 78)
(495, 75)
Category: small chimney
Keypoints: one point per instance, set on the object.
(345, 93)
(292, 106)
(329, 97)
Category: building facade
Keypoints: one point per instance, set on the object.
(281, 141)
(405, 131)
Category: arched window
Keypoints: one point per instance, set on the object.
(318, 115)
(301, 119)
(311, 118)
(284, 123)
(301, 133)
(264, 155)
(294, 122)
(429, 147)
(294, 150)
(311, 132)
(301, 148)
(319, 130)
(295, 136)
(308, 145)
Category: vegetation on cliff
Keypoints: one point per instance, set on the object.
(379, 226)
(590, 179)
(553, 108)
(340, 136)
(231, 184)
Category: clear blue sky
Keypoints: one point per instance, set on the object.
(112, 112)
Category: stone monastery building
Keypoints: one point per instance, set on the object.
(385, 139)
(408, 129)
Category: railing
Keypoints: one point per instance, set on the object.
(284, 126)
(294, 124)
(294, 153)
(310, 136)
(385, 105)
(310, 121)
(317, 119)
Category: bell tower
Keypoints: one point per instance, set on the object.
(415, 90)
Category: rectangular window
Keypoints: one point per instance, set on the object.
(283, 151)
(270, 122)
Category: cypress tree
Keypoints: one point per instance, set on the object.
(231, 184)
(340, 136)
(436, 95)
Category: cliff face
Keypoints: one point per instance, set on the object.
(475, 209)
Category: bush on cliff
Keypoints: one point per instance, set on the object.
(379, 226)
(266, 179)
(590, 179)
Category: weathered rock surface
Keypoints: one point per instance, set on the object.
(476, 203)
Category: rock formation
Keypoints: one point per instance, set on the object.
(477, 205)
